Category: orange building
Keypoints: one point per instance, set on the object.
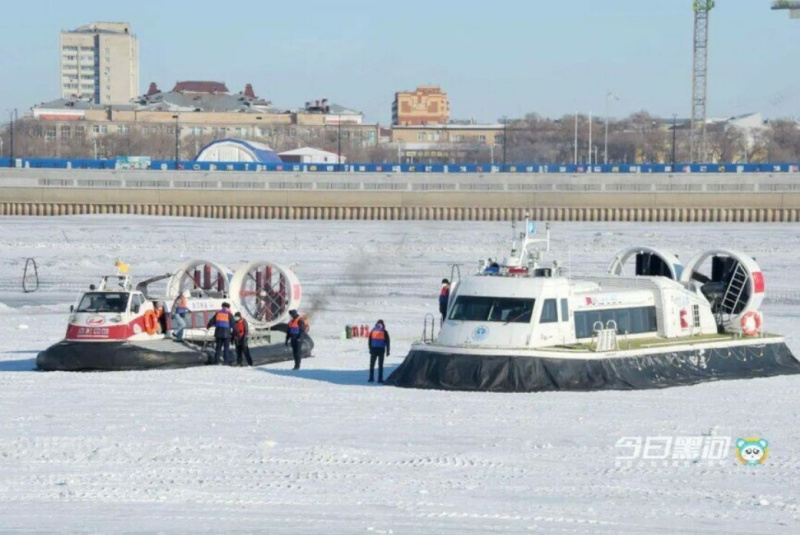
(426, 105)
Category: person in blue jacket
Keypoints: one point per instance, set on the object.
(222, 322)
(294, 333)
(379, 346)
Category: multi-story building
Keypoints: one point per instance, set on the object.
(448, 143)
(449, 134)
(100, 63)
(202, 111)
(427, 105)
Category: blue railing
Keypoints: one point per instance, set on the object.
(164, 165)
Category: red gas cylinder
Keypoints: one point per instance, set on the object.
(355, 331)
(364, 331)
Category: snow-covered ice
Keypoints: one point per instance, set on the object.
(321, 450)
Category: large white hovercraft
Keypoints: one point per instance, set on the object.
(522, 326)
(118, 327)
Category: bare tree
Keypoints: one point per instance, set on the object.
(639, 138)
(5, 141)
(783, 141)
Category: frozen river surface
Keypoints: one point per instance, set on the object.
(322, 451)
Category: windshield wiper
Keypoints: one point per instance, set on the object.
(518, 316)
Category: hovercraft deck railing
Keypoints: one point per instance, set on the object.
(426, 337)
(633, 344)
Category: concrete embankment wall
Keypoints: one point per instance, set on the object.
(387, 196)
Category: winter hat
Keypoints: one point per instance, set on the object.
(226, 305)
(445, 281)
(293, 313)
(237, 315)
(380, 322)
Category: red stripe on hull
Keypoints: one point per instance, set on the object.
(113, 332)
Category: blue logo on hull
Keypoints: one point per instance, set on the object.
(480, 333)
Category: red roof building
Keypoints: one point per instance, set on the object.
(194, 86)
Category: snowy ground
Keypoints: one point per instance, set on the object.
(322, 451)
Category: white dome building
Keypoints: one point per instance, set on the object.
(237, 150)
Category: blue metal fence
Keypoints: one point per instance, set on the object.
(164, 165)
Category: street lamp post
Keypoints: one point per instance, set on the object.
(575, 144)
(590, 140)
(505, 141)
(12, 117)
(674, 131)
(177, 141)
(339, 141)
(609, 96)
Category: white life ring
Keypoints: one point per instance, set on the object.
(751, 323)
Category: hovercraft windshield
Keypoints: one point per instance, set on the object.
(112, 302)
(500, 309)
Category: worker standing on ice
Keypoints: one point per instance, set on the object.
(241, 331)
(444, 297)
(179, 310)
(222, 322)
(379, 346)
(297, 326)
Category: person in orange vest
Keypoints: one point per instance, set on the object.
(241, 331)
(222, 322)
(444, 297)
(295, 330)
(379, 346)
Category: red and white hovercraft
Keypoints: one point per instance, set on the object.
(117, 327)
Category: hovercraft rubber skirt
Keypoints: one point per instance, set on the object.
(158, 354)
(80, 356)
(451, 371)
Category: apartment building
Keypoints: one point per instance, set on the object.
(99, 63)
(424, 106)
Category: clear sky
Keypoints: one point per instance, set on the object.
(505, 57)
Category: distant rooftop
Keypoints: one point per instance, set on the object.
(63, 103)
(425, 89)
(104, 27)
(329, 108)
(199, 86)
(449, 126)
(194, 95)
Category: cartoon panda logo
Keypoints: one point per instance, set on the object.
(752, 451)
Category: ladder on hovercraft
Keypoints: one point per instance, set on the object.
(732, 300)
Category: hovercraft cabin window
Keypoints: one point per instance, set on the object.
(636, 320)
(549, 311)
(500, 309)
(103, 302)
